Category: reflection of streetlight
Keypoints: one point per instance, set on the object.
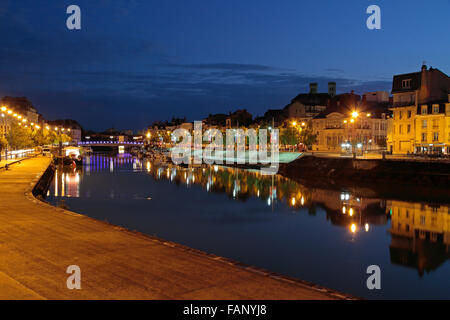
(366, 227)
(353, 228)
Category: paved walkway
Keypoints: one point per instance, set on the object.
(38, 242)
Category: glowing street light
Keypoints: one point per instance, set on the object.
(294, 123)
(355, 114)
(3, 109)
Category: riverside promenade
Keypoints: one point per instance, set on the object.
(38, 242)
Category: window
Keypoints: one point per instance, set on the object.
(435, 108)
(400, 129)
(424, 109)
(435, 123)
(409, 128)
(409, 114)
(424, 124)
(424, 137)
(406, 84)
(422, 220)
(401, 115)
(436, 136)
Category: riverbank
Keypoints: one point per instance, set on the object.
(398, 178)
(38, 242)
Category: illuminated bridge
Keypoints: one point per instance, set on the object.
(110, 143)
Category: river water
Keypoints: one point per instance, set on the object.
(322, 236)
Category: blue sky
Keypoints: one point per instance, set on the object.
(134, 61)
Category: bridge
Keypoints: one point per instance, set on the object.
(109, 143)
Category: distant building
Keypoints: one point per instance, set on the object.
(351, 125)
(72, 128)
(421, 113)
(239, 118)
(22, 106)
(308, 105)
(303, 107)
(376, 96)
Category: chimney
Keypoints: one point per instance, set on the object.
(424, 67)
(332, 88)
(313, 88)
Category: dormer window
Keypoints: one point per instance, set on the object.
(424, 109)
(435, 108)
(406, 84)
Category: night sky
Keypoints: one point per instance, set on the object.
(134, 62)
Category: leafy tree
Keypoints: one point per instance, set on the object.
(63, 138)
(3, 144)
(307, 135)
(289, 136)
(19, 137)
(39, 137)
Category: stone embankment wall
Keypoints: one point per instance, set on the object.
(43, 184)
(387, 177)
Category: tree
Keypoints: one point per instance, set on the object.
(63, 138)
(290, 136)
(3, 145)
(19, 137)
(307, 135)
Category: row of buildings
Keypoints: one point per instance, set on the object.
(415, 119)
(24, 107)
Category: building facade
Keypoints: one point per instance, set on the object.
(71, 128)
(341, 132)
(420, 113)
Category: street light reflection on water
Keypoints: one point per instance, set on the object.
(328, 237)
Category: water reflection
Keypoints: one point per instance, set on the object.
(420, 235)
(419, 232)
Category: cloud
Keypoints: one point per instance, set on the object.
(226, 66)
